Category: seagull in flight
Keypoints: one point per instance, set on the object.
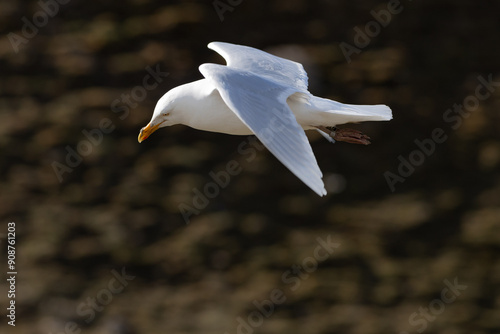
(264, 95)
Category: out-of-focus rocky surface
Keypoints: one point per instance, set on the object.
(119, 208)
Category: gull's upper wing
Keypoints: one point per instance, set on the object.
(261, 104)
(263, 64)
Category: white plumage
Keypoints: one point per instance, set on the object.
(258, 93)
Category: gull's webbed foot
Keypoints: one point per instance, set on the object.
(348, 135)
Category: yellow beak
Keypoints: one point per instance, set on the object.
(147, 131)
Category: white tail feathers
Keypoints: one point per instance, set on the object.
(379, 112)
(334, 113)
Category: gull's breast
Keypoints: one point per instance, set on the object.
(215, 116)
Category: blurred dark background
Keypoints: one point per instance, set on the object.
(117, 211)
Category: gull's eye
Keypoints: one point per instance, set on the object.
(166, 114)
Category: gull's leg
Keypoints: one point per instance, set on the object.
(347, 135)
(326, 135)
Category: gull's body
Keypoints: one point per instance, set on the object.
(258, 93)
(204, 109)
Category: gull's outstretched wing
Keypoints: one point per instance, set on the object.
(261, 104)
(263, 64)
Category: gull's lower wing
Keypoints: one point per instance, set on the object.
(261, 104)
(263, 64)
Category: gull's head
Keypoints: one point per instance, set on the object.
(165, 114)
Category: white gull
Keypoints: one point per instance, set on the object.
(258, 93)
